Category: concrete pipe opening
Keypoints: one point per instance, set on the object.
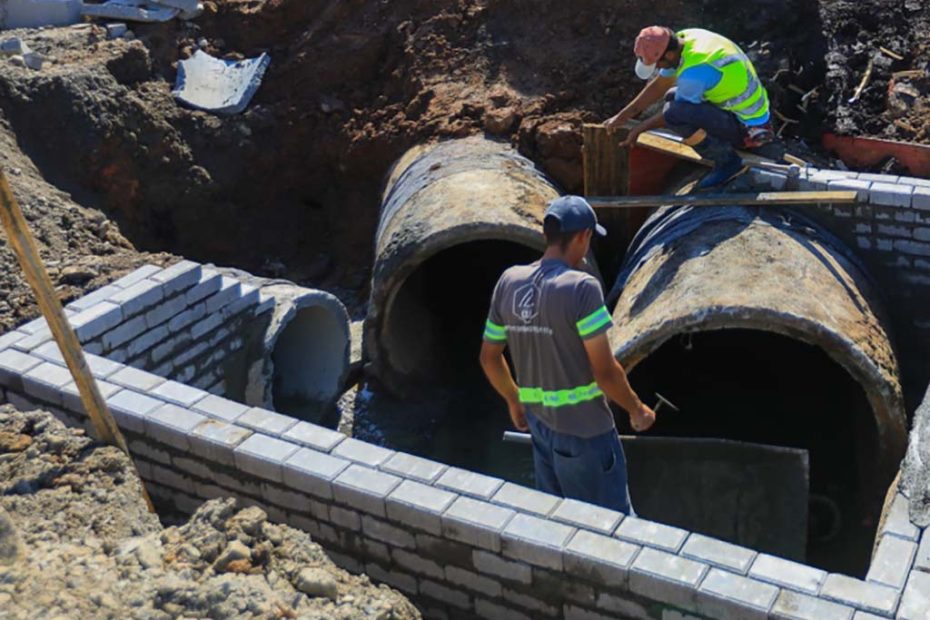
(305, 353)
(762, 328)
(454, 215)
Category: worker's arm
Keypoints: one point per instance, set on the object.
(655, 122)
(653, 92)
(497, 371)
(611, 378)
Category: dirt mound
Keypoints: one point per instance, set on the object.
(76, 541)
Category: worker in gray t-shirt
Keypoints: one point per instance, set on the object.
(553, 319)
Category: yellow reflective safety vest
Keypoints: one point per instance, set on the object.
(739, 91)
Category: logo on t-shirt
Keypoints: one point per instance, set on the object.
(526, 302)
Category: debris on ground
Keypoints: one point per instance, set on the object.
(38, 13)
(94, 550)
(219, 86)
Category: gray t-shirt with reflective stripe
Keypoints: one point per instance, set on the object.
(544, 311)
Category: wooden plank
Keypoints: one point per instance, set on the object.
(720, 200)
(606, 165)
(20, 239)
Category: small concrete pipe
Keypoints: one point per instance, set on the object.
(454, 215)
(706, 271)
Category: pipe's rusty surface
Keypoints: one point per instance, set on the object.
(440, 196)
(693, 270)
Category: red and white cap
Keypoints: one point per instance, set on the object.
(649, 47)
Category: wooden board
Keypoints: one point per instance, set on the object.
(720, 200)
(606, 165)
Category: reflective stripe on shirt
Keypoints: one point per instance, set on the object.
(560, 398)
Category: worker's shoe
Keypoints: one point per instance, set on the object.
(727, 164)
(758, 136)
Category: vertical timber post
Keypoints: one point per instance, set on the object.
(607, 173)
(20, 239)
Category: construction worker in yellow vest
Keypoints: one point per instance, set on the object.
(714, 98)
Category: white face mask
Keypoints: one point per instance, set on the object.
(644, 71)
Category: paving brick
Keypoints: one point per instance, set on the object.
(188, 317)
(492, 564)
(921, 198)
(33, 326)
(96, 320)
(534, 540)
(386, 532)
(221, 408)
(165, 310)
(14, 364)
(263, 456)
(147, 340)
(364, 489)
(769, 180)
(362, 452)
(313, 472)
(205, 326)
(599, 558)
(415, 467)
(396, 579)
(285, 498)
(724, 594)
(265, 421)
(136, 379)
(21, 402)
(10, 338)
(526, 499)
(179, 394)
(788, 574)
(33, 341)
(582, 514)
(890, 194)
(915, 604)
(230, 290)
(651, 534)
(208, 284)
(797, 606)
(139, 297)
(193, 465)
(45, 382)
(417, 564)
(172, 425)
(130, 408)
(718, 553)
(418, 505)
(172, 478)
(449, 596)
(898, 521)
(863, 595)
(861, 187)
(473, 581)
(138, 275)
(178, 277)
(476, 523)
(314, 436)
(892, 561)
(216, 441)
(123, 333)
(469, 483)
(622, 607)
(93, 298)
(345, 518)
(864, 615)
(249, 298)
(495, 611)
(922, 561)
(666, 578)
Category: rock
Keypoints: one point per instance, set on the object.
(77, 274)
(132, 66)
(234, 551)
(14, 442)
(249, 520)
(316, 582)
(148, 553)
(33, 60)
(116, 30)
(14, 47)
(499, 122)
(18, 61)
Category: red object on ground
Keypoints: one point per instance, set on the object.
(649, 170)
(858, 152)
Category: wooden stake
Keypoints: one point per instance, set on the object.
(23, 244)
(720, 200)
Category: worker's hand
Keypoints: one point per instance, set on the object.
(643, 419)
(518, 416)
(616, 122)
(631, 138)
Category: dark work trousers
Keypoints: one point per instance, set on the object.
(685, 118)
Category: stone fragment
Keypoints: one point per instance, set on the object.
(235, 550)
(316, 582)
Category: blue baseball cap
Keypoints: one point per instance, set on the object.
(574, 214)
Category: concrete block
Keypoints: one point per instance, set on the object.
(417, 505)
(229, 291)
(892, 561)
(165, 310)
(469, 483)
(93, 298)
(861, 187)
(622, 607)
(189, 316)
(415, 467)
(285, 499)
(718, 553)
(863, 595)
(143, 272)
(136, 379)
(208, 284)
(221, 408)
(898, 520)
(265, 421)
(266, 303)
(915, 604)
(723, 594)
(249, 297)
(45, 382)
(178, 277)
(179, 394)
(769, 180)
(536, 541)
(190, 353)
(171, 478)
(164, 350)
(33, 326)
(71, 399)
(33, 341)
(921, 198)
(476, 523)
(473, 581)
(493, 564)
(891, 195)
(525, 499)
(599, 558)
(377, 551)
(139, 297)
(21, 402)
(922, 561)
(494, 611)
(194, 466)
(10, 338)
(264, 456)
(216, 441)
(362, 452)
(364, 489)
(313, 472)
(797, 606)
(203, 327)
(443, 594)
(385, 532)
(864, 615)
(172, 425)
(651, 534)
(788, 574)
(13, 365)
(418, 564)
(589, 516)
(314, 436)
(666, 578)
(130, 409)
(120, 335)
(96, 320)
(147, 340)
(395, 579)
(345, 518)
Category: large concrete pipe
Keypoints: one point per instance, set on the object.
(763, 327)
(454, 215)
